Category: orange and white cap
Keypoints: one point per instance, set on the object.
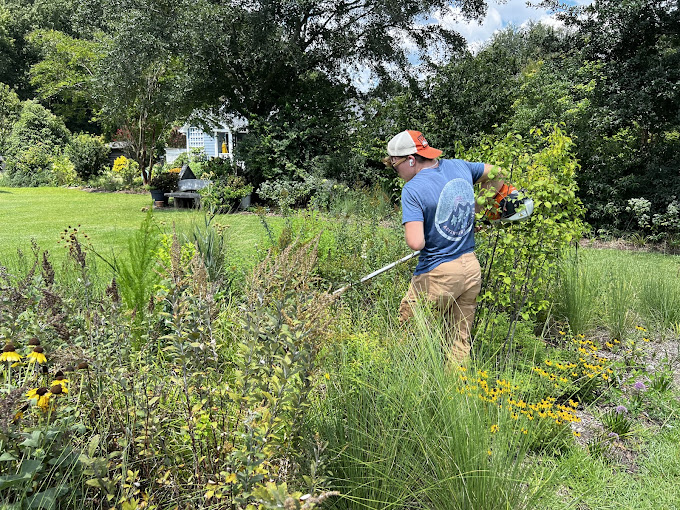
(411, 142)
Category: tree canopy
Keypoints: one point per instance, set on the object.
(251, 56)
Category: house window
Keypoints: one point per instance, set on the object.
(195, 137)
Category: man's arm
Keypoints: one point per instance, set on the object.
(414, 232)
(492, 178)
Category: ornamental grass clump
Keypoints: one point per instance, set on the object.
(575, 295)
(402, 434)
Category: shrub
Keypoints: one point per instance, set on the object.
(64, 173)
(36, 137)
(127, 169)
(224, 194)
(36, 125)
(519, 259)
(88, 154)
(10, 105)
(164, 181)
(31, 167)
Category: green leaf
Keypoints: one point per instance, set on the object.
(46, 500)
(13, 480)
(7, 456)
(30, 466)
(92, 447)
(33, 441)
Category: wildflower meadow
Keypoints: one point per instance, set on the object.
(181, 373)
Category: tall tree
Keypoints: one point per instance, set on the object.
(130, 72)
(473, 93)
(250, 56)
(631, 142)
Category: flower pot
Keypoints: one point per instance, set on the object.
(245, 202)
(158, 195)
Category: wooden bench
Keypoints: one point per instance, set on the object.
(187, 195)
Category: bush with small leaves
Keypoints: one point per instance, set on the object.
(88, 154)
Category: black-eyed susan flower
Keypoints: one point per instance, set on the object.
(494, 428)
(9, 354)
(42, 396)
(34, 341)
(37, 356)
(58, 389)
(61, 381)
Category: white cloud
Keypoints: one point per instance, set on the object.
(499, 15)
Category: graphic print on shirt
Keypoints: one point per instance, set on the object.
(455, 214)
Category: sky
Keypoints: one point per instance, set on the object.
(499, 15)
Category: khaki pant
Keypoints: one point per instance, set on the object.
(453, 287)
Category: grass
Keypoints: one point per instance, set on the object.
(612, 288)
(429, 445)
(108, 219)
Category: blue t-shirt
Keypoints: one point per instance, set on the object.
(443, 199)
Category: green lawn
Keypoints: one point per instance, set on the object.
(107, 218)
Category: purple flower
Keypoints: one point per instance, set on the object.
(640, 386)
(621, 409)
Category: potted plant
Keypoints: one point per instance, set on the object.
(160, 184)
(226, 193)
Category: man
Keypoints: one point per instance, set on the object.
(438, 214)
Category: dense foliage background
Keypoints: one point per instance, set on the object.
(610, 77)
(209, 365)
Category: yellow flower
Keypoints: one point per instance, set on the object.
(577, 434)
(645, 339)
(494, 428)
(42, 395)
(9, 354)
(327, 376)
(37, 356)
